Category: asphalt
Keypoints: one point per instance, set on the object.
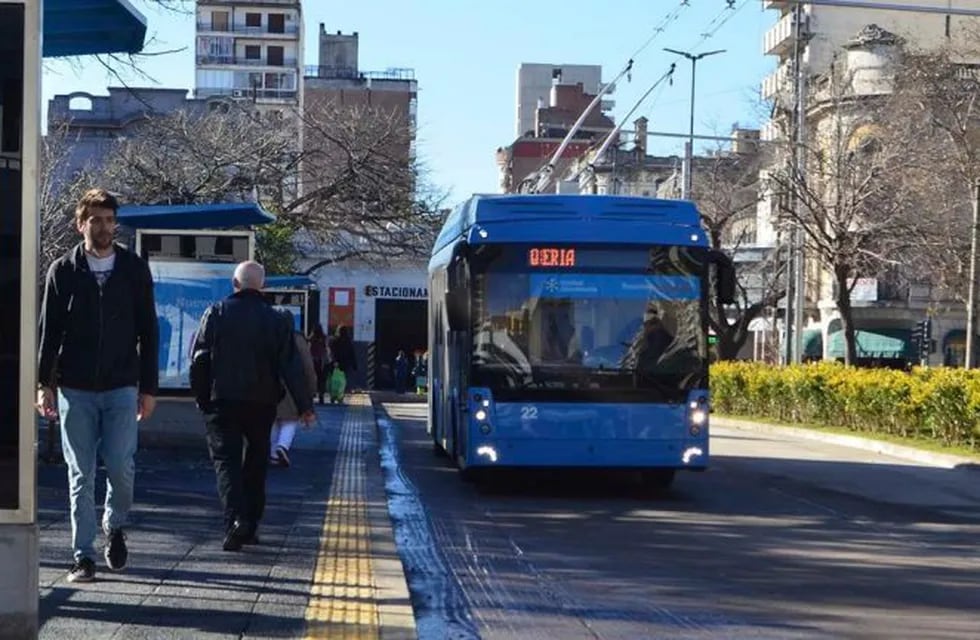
(326, 565)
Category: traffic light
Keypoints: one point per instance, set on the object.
(922, 339)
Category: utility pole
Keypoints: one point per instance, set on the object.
(798, 267)
(971, 305)
(689, 148)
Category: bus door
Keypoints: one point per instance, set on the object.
(459, 303)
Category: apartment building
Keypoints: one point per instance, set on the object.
(250, 50)
(862, 43)
(552, 122)
(338, 82)
(534, 83)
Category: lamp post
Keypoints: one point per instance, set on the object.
(689, 150)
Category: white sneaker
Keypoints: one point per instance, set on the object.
(282, 456)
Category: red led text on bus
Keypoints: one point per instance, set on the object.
(550, 257)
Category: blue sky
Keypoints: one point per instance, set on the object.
(465, 55)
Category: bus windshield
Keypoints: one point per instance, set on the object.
(567, 324)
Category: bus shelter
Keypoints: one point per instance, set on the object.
(70, 28)
(192, 251)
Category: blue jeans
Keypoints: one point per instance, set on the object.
(98, 423)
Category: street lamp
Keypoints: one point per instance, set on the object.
(689, 152)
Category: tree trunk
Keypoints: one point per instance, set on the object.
(843, 302)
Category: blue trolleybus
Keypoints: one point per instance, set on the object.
(571, 331)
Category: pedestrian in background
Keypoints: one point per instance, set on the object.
(287, 415)
(243, 354)
(344, 361)
(401, 371)
(321, 359)
(98, 360)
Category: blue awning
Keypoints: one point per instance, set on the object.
(86, 27)
(289, 282)
(194, 216)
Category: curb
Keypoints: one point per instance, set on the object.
(395, 602)
(943, 460)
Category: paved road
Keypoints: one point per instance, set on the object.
(780, 539)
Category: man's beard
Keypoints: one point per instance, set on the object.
(101, 241)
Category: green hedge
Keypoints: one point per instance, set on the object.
(937, 403)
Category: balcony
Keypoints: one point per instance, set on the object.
(289, 31)
(284, 3)
(250, 94)
(209, 60)
(779, 40)
(778, 85)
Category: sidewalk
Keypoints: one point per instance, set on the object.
(912, 454)
(327, 565)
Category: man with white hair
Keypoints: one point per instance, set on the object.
(243, 354)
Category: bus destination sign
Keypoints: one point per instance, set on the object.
(550, 257)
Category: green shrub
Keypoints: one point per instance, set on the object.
(940, 404)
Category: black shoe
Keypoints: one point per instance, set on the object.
(237, 536)
(82, 571)
(116, 553)
(252, 538)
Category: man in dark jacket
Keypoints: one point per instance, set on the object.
(248, 349)
(98, 362)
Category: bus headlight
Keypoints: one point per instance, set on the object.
(480, 415)
(697, 415)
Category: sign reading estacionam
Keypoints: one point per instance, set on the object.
(383, 291)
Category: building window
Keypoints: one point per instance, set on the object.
(253, 19)
(219, 20)
(80, 103)
(277, 23)
(275, 56)
(272, 81)
(253, 52)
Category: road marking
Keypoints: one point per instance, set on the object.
(343, 595)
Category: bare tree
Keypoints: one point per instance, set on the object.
(846, 190)
(364, 193)
(354, 191)
(726, 190)
(937, 100)
(59, 190)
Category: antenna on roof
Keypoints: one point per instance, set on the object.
(538, 180)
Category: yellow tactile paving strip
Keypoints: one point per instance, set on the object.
(342, 600)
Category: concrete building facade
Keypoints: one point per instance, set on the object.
(91, 123)
(339, 83)
(534, 84)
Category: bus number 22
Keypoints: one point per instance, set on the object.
(529, 413)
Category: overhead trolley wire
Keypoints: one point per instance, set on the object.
(671, 16)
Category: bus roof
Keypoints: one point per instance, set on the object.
(572, 218)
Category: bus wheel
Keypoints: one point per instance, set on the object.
(657, 479)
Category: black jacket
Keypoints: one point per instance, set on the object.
(99, 339)
(248, 349)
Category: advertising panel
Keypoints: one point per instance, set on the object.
(184, 290)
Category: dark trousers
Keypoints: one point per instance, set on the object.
(241, 480)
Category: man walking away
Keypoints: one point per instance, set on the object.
(242, 351)
(98, 360)
(287, 416)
